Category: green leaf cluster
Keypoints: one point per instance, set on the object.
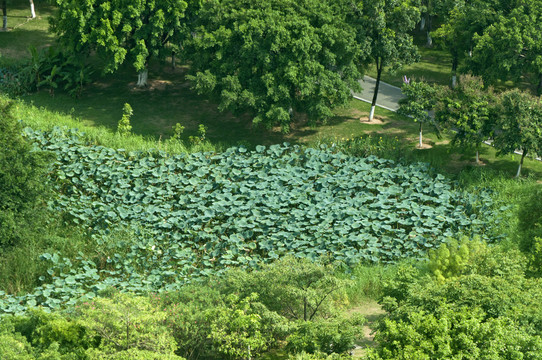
(276, 57)
(490, 309)
(188, 216)
(23, 191)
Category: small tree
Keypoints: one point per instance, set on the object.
(519, 126)
(124, 128)
(295, 288)
(466, 109)
(420, 98)
(126, 323)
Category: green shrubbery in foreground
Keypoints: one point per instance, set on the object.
(218, 319)
(486, 308)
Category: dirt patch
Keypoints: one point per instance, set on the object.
(372, 312)
(376, 120)
(424, 146)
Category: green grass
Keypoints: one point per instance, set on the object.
(23, 31)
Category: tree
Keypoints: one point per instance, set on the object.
(5, 15)
(276, 57)
(463, 20)
(512, 46)
(419, 100)
(387, 23)
(23, 190)
(466, 109)
(32, 9)
(519, 126)
(119, 31)
(429, 10)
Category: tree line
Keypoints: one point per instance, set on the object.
(512, 120)
(275, 58)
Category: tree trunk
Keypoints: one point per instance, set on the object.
(305, 308)
(142, 77)
(421, 133)
(477, 157)
(521, 162)
(32, 10)
(422, 23)
(455, 62)
(429, 38)
(379, 67)
(5, 14)
(173, 60)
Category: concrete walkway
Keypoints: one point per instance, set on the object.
(388, 95)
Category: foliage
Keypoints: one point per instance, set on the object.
(276, 57)
(51, 334)
(488, 310)
(450, 260)
(385, 147)
(237, 329)
(510, 47)
(535, 258)
(388, 25)
(125, 322)
(336, 335)
(195, 215)
(519, 126)
(454, 334)
(467, 109)
(53, 69)
(15, 347)
(23, 191)
(419, 100)
(296, 288)
(530, 218)
(463, 22)
(124, 128)
(319, 356)
(177, 131)
(202, 131)
(116, 31)
(187, 318)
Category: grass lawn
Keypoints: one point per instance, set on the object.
(23, 31)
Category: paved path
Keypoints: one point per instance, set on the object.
(388, 98)
(388, 95)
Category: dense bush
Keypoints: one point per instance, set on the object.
(261, 309)
(474, 304)
(335, 335)
(530, 228)
(298, 289)
(23, 183)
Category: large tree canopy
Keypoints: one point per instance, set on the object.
(275, 57)
(119, 30)
(511, 47)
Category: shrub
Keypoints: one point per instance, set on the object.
(124, 128)
(296, 288)
(23, 190)
(335, 335)
(126, 322)
(15, 347)
(450, 260)
(208, 324)
(459, 333)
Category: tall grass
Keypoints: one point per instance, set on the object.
(45, 120)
